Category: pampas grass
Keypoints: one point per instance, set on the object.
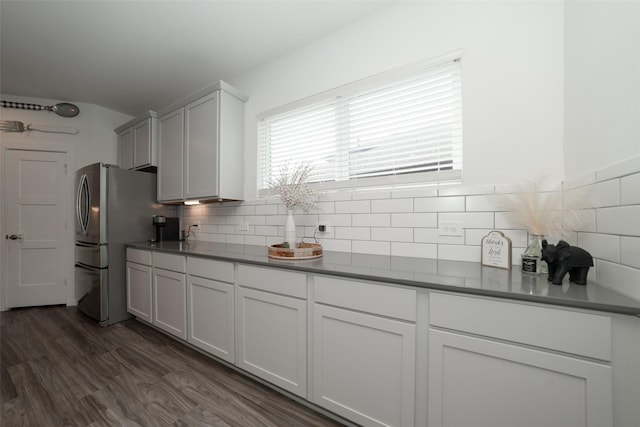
(552, 213)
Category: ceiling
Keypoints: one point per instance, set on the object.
(130, 56)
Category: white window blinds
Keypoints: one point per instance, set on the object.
(407, 130)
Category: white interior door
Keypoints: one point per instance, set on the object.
(36, 191)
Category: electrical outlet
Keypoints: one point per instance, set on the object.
(323, 227)
(450, 228)
(243, 226)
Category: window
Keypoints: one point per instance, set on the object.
(404, 128)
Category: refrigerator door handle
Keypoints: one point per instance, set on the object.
(83, 203)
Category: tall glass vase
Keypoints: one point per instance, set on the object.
(290, 229)
(532, 256)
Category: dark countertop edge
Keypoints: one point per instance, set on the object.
(564, 302)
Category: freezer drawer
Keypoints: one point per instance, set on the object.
(92, 255)
(93, 290)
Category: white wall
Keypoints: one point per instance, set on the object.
(602, 84)
(512, 78)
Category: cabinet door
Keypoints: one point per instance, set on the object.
(364, 366)
(170, 301)
(170, 155)
(211, 316)
(272, 338)
(480, 382)
(142, 144)
(139, 291)
(125, 149)
(201, 147)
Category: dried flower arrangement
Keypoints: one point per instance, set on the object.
(292, 186)
(551, 213)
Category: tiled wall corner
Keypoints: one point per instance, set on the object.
(614, 236)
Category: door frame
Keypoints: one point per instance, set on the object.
(68, 256)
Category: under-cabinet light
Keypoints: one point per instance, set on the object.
(192, 202)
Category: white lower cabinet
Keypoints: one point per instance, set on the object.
(384, 355)
(210, 302)
(483, 380)
(271, 326)
(139, 285)
(363, 361)
(170, 294)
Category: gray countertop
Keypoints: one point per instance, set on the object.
(454, 276)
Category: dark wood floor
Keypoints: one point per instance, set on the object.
(58, 368)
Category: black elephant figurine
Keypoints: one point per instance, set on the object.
(563, 259)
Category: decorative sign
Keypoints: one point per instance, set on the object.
(496, 250)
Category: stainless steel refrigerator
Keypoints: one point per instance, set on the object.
(113, 206)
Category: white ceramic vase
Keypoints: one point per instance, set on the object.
(290, 230)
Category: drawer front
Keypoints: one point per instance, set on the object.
(210, 269)
(562, 330)
(170, 262)
(139, 256)
(273, 280)
(369, 297)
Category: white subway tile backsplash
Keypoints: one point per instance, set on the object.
(618, 277)
(335, 196)
(414, 250)
(623, 220)
(606, 193)
(335, 220)
(414, 192)
(266, 210)
(226, 229)
(255, 240)
(266, 230)
(235, 239)
(439, 204)
(326, 208)
(469, 219)
(353, 233)
(404, 222)
(432, 235)
(371, 220)
(603, 246)
(627, 167)
(371, 247)
(459, 253)
(630, 190)
(459, 190)
(486, 203)
(306, 220)
(414, 220)
(370, 195)
(256, 219)
(336, 245)
(392, 234)
(579, 181)
(355, 206)
(630, 251)
(392, 205)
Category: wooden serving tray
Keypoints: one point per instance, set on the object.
(301, 251)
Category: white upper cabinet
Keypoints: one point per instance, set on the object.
(201, 141)
(170, 144)
(138, 142)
